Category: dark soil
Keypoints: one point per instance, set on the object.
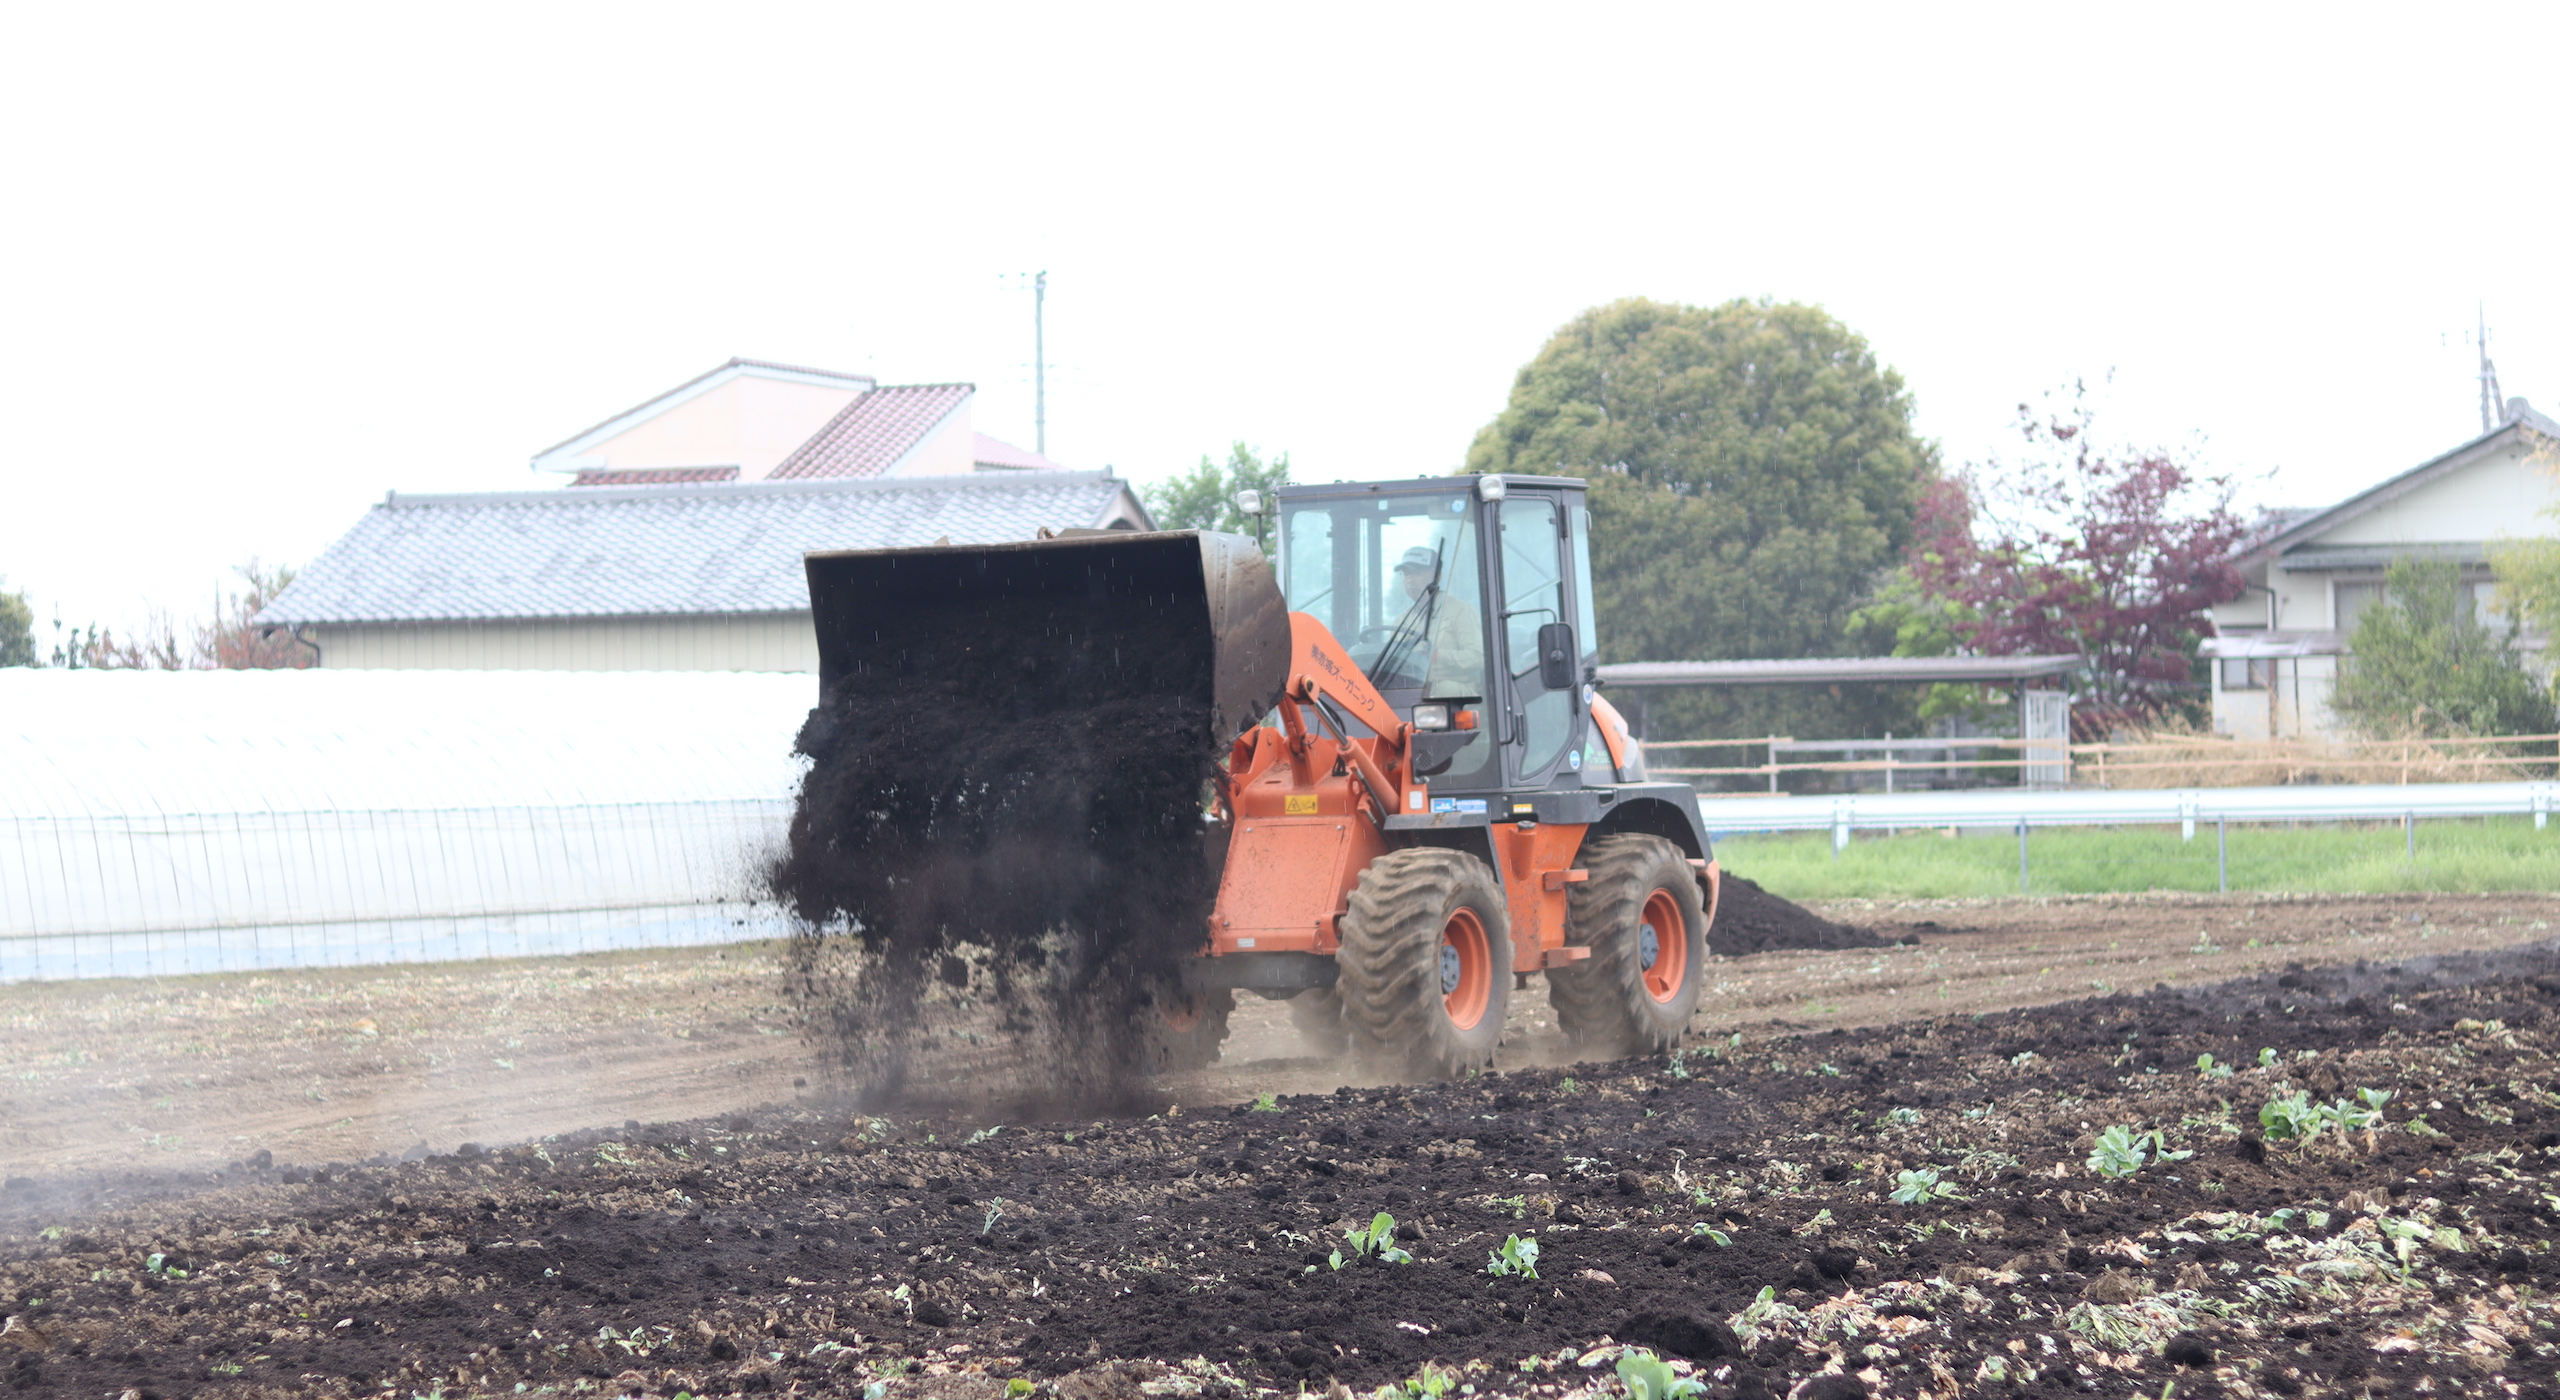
(1731, 1206)
(1750, 920)
(1003, 805)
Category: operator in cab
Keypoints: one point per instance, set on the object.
(1445, 622)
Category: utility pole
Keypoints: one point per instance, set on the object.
(2492, 411)
(1040, 364)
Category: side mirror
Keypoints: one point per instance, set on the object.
(1556, 656)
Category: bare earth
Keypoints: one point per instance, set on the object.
(342, 1064)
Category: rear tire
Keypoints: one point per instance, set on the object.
(1646, 927)
(1185, 1029)
(1316, 1014)
(1425, 964)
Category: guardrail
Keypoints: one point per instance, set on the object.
(2004, 808)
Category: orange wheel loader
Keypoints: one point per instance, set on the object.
(1424, 801)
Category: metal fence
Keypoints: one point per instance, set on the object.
(2200, 760)
(2189, 809)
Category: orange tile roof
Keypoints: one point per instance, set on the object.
(871, 434)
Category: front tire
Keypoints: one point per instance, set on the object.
(1646, 927)
(1425, 964)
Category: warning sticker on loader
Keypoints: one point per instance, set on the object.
(1299, 804)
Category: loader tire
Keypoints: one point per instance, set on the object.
(1646, 927)
(1316, 1014)
(1425, 964)
(1185, 1029)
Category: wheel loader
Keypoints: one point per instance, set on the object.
(1423, 800)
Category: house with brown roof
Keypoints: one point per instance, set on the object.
(755, 420)
(678, 545)
(2278, 645)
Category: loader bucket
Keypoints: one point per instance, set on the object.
(1186, 613)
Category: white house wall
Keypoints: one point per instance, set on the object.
(780, 642)
(750, 422)
(2497, 495)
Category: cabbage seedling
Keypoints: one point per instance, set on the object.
(1518, 1258)
(1649, 1377)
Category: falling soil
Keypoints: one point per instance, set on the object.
(1003, 808)
(1735, 1210)
(1750, 920)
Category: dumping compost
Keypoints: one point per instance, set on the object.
(1003, 813)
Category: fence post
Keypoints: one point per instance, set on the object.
(1773, 765)
(2022, 855)
(2409, 832)
(2222, 853)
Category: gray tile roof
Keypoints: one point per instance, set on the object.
(659, 550)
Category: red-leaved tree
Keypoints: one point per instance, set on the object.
(2112, 554)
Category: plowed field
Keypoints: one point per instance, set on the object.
(1734, 1210)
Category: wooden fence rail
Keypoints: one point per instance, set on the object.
(2203, 761)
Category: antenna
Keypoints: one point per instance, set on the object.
(1040, 364)
(2492, 411)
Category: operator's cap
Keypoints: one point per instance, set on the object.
(1419, 557)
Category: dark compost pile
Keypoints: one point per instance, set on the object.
(1749, 919)
(1737, 1212)
(1003, 808)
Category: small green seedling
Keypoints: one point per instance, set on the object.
(985, 1133)
(1430, 1383)
(1569, 1086)
(1680, 1070)
(1264, 1102)
(1649, 1377)
(2267, 1058)
(1517, 1205)
(1518, 1258)
(1903, 1117)
(995, 1212)
(1378, 1242)
(2206, 1067)
(159, 1264)
(1921, 1186)
(2295, 1116)
(1017, 1387)
(2120, 1152)
(1721, 1239)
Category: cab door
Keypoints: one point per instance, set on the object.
(1543, 655)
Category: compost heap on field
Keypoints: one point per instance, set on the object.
(1749, 919)
(1004, 813)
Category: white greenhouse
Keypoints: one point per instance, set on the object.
(154, 823)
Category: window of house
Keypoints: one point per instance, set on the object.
(2247, 673)
(2349, 598)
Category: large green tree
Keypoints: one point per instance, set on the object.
(2420, 661)
(1753, 473)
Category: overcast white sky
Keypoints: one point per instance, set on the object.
(264, 264)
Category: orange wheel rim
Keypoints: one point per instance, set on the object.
(1466, 969)
(1181, 1017)
(1663, 946)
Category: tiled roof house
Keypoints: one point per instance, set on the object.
(2277, 646)
(663, 556)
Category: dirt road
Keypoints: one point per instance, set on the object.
(343, 1065)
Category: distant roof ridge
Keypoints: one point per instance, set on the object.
(591, 477)
(734, 362)
(563, 496)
